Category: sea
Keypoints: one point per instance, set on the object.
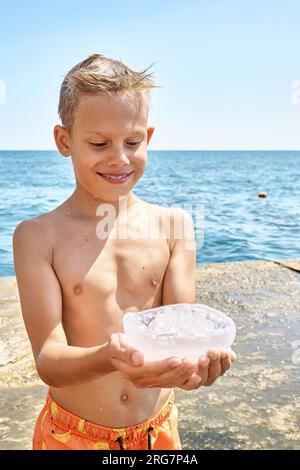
(220, 189)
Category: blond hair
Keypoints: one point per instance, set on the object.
(98, 74)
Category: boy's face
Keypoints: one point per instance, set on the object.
(108, 142)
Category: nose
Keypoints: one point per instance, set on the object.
(118, 157)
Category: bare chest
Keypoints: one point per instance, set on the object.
(102, 268)
(102, 279)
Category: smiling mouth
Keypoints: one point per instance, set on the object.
(114, 177)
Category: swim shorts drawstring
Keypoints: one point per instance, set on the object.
(150, 429)
(121, 443)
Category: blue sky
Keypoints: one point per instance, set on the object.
(226, 67)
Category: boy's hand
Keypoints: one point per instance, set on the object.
(168, 373)
(212, 366)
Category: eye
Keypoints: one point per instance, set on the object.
(133, 143)
(99, 144)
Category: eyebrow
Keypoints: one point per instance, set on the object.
(95, 131)
(92, 131)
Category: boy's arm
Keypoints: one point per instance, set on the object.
(61, 365)
(180, 276)
(179, 287)
(57, 363)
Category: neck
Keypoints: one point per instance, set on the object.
(82, 204)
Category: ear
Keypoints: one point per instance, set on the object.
(150, 131)
(62, 140)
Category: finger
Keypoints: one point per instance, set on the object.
(176, 376)
(169, 378)
(146, 375)
(214, 370)
(124, 352)
(233, 355)
(155, 368)
(203, 366)
(225, 361)
(192, 383)
(213, 354)
(204, 362)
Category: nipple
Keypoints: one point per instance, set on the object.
(77, 289)
(124, 397)
(153, 282)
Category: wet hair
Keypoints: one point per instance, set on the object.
(99, 74)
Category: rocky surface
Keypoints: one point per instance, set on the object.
(254, 406)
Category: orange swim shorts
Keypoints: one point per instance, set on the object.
(58, 429)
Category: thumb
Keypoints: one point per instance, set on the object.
(137, 358)
(131, 356)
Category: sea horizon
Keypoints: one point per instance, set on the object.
(236, 224)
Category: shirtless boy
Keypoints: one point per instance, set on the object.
(75, 285)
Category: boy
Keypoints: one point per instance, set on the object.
(76, 281)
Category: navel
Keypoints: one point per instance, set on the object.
(77, 289)
(124, 397)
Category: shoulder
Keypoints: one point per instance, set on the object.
(31, 227)
(43, 224)
(27, 227)
(172, 213)
(182, 227)
(177, 224)
(33, 235)
(178, 214)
